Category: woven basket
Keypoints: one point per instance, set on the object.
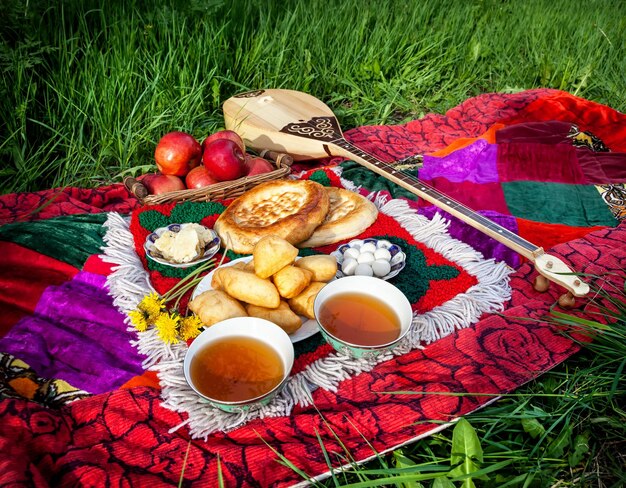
(219, 191)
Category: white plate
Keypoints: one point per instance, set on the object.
(209, 251)
(309, 326)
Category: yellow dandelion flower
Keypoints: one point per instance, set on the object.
(152, 305)
(167, 327)
(190, 327)
(138, 319)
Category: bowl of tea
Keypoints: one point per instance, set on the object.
(239, 363)
(362, 316)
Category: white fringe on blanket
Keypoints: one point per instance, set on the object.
(129, 283)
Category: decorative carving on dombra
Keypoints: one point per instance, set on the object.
(320, 128)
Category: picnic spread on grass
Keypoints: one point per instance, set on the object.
(480, 201)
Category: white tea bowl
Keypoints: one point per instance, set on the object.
(249, 327)
(372, 287)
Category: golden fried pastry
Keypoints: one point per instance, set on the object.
(216, 279)
(282, 316)
(348, 216)
(271, 254)
(248, 287)
(290, 281)
(302, 304)
(291, 209)
(214, 306)
(249, 266)
(323, 266)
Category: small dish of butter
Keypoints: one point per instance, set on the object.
(182, 245)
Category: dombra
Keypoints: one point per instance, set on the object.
(300, 124)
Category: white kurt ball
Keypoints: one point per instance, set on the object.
(366, 258)
(349, 266)
(351, 253)
(364, 270)
(382, 253)
(381, 267)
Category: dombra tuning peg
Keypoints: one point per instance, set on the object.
(551, 268)
(541, 283)
(567, 300)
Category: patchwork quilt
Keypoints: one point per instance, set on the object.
(87, 399)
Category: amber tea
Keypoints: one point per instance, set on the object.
(236, 369)
(360, 319)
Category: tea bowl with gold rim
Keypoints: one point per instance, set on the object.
(362, 316)
(243, 342)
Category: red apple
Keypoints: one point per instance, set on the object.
(177, 153)
(199, 177)
(158, 183)
(224, 134)
(257, 166)
(224, 160)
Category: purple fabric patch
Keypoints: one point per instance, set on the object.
(475, 163)
(489, 248)
(76, 334)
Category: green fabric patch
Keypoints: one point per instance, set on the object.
(70, 238)
(414, 279)
(361, 176)
(557, 203)
(181, 214)
(320, 177)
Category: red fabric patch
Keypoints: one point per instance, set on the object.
(483, 196)
(19, 207)
(550, 132)
(602, 168)
(604, 122)
(539, 162)
(149, 379)
(549, 235)
(96, 265)
(24, 275)
(471, 118)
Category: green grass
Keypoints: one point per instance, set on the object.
(567, 429)
(89, 87)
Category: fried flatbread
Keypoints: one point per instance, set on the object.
(349, 215)
(290, 209)
(322, 267)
